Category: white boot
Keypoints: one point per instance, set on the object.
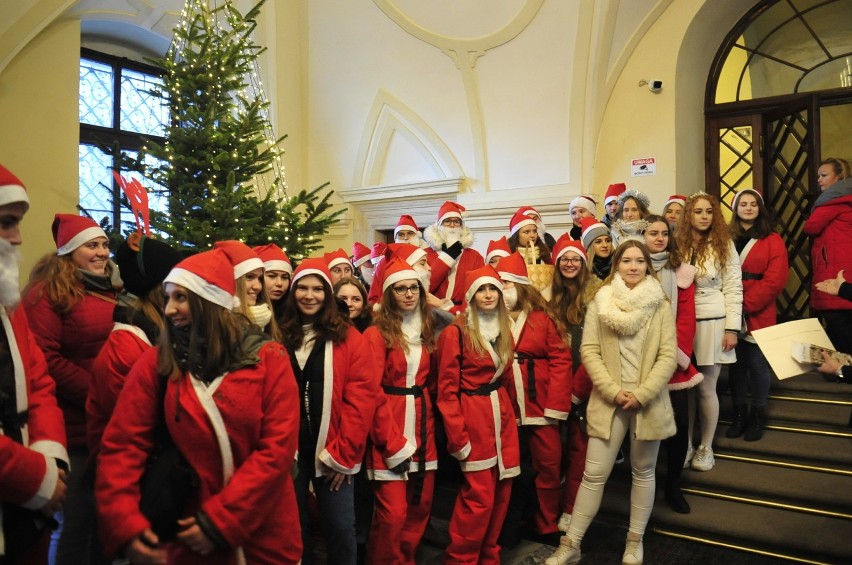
(633, 552)
(565, 554)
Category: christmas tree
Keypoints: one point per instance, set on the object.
(220, 167)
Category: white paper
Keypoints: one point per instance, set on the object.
(776, 343)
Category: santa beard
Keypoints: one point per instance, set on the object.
(541, 229)
(10, 260)
(425, 277)
(367, 274)
(450, 235)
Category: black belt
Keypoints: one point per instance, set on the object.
(530, 361)
(484, 390)
(417, 392)
(752, 276)
(13, 424)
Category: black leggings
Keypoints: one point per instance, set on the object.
(676, 445)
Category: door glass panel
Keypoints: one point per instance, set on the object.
(735, 164)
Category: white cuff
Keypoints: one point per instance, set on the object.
(47, 487)
(463, 454)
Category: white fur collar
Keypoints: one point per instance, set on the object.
(625, 310)
(685, 275)
(412, 324)
(435, 238)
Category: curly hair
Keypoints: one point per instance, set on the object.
(700, 247)
(59, 280)
(388, 320)
(675, 258)
(330, 323)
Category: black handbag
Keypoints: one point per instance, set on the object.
(169, 480)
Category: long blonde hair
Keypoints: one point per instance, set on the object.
(271, 329)
(470, 325)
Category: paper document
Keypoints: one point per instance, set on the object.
(776, 343)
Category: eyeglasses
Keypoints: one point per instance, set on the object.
(570, 260)
(452, 222)
(403, 290)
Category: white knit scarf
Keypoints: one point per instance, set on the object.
(625, 310)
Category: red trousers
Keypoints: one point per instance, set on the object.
(545, 447)
(478, 518)
(575, 455)
(399, 523)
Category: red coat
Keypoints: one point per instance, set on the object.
(28, 471)
(830, 226)
(447, 279)
(398, 417)
(481, 430)
(124, 346)
(539, 345)
(767, 258)
(686, 375)
(70, 343)
(349, 403)
(258, 407)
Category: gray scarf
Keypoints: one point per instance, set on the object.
(667, 277)
(837, 190)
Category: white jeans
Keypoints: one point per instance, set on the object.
(600, 458)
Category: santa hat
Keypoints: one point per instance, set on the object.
(336, 258)
(406, 222)
(592, 229)
(636, 195)
(397, 270)
(450, 210)
(360, 254)
(745, 191)
(567, 245)
(143, 270)
(209, 275)
(613, 191)
(513, 269)
(584, 201)
(518, 221)
(315, 266)
(675, 199)
(407, 252)
(497, 248)
(242, 257)
(274, 258)
(377, 252)
(70, 231)
(529, 211)
(12, 189)
(478, 277)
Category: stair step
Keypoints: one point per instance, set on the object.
(807, 409)
(794, 444)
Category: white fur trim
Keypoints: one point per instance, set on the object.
(462, 454)
(79, 239)
(468, 295)
(682, 359)
(11, 193)
(46, 488)
(135, 330)
(555, 414)
(584, 202)
(338, 261)
(52, 450)
(201, 287)
(407, 451)
(495, 253)
(325, 458)
(399, 276)
(205, 397)
(695, 380)
(685, 275)
(279, 265)
(519, 225)
(357, 263)
(511, 277)
(247, 266)
(316, 272)
(415, 256)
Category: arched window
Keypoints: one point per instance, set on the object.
(117, 109)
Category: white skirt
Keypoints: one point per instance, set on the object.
(708, 343)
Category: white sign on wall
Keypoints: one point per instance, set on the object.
(643, 167)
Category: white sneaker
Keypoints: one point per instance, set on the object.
(703, 460)
(565, 554)
(633, 553)
(564, 523)
(690, 452)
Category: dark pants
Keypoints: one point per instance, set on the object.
(677, 444)
(838, 326)
(751, 373)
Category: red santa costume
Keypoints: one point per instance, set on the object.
(480, 426)
(143, 264)
(238, 431)
(540, 392)
(403, 499)
(497, 249)
(450, 255)
(32, 433)
(407, 252)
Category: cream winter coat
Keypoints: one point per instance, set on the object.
(619, 310)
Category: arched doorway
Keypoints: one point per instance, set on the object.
(778, 100)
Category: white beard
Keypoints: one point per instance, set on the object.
(367, 274)
(510, 297)
(411, 241)
(541, 229)
(10, 260)
(451, 235)
(425, 277)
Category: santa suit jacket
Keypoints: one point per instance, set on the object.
(124, 346)
(765, 269)
(541, 371)
(240, 434)
(447, 279)
(481, 429)
(830, 226)
(28, 470)
(350, 388)
(398, 427)
(70, 343)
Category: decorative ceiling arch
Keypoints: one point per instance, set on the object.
(388, 117)
(464, 52)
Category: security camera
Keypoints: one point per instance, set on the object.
(655, 85)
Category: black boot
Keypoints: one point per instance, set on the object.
(675, 499)
(738, 426)
(754, 430)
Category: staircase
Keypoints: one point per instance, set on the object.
(787, 496)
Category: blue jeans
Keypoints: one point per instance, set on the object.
(336, 514)
(752, 373)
